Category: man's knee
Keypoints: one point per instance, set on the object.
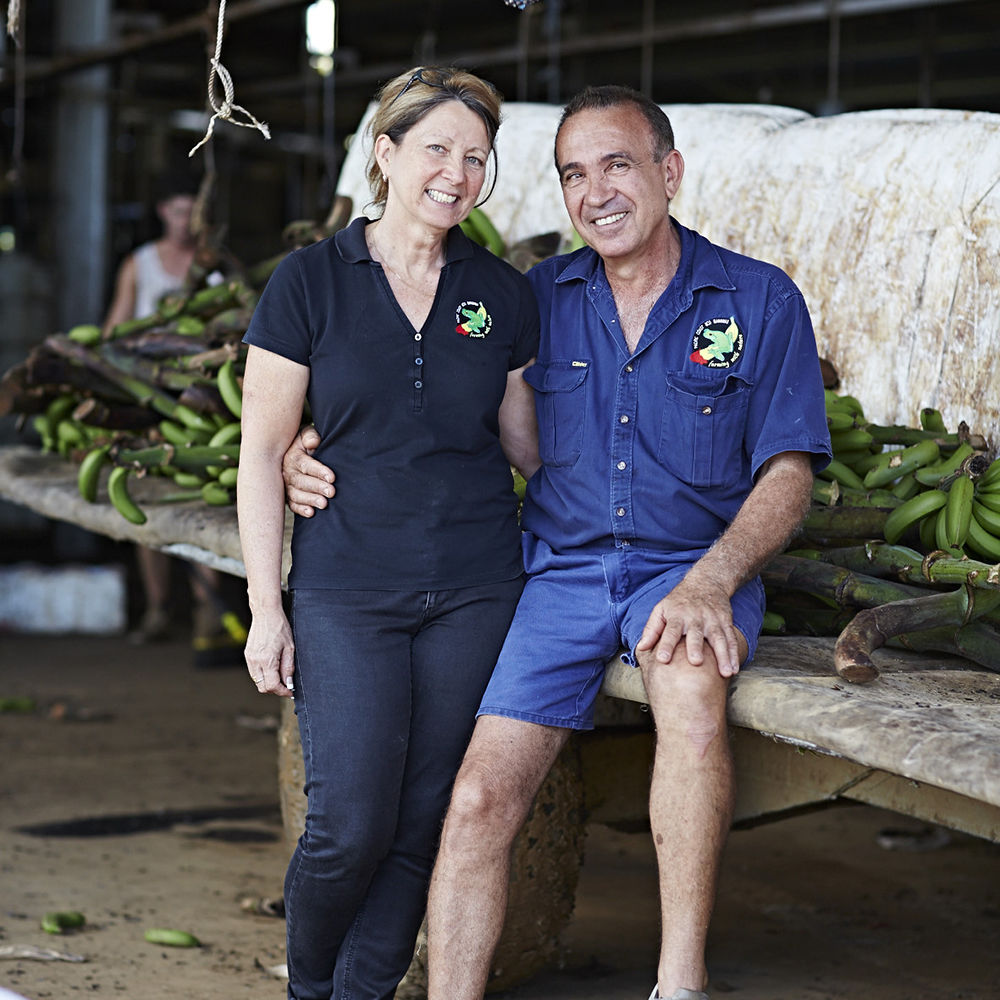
(503, 769)
(486, 804)
(688, 701)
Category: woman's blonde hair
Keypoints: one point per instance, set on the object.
(407, 98)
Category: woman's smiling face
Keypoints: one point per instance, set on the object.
(436, 171)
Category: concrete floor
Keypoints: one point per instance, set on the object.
(811, 908)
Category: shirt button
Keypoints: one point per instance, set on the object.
(706, 410)
(620, 512)
(418, 384)
(628, 368)
(418, 361)
(623, 419)
(418, 336)
(621, 465)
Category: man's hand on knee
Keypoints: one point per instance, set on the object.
(698, 616)
(308, 482)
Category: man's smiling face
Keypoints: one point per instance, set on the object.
(617, 195)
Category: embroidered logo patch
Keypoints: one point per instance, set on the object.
(472, 320)
(717, 343)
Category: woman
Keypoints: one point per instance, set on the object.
(409, 341)
(148, 273)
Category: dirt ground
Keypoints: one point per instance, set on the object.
(810, 908)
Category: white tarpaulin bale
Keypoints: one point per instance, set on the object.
(889, 221)
(528, 199)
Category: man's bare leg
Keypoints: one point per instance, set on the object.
(504, 766)
(690, 807)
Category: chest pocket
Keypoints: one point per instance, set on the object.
(701, 435)
(561, 404)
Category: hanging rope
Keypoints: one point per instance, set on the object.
(15, 28)
(14, 19)
(227, 107)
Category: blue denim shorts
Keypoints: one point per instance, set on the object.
(577, 610)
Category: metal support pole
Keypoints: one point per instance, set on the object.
(81, 167)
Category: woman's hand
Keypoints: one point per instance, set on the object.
(270, 654)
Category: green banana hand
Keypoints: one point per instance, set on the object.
(912, 512)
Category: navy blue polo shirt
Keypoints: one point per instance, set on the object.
(659, 448)
(408, 418)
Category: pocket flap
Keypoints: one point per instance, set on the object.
(557, 376)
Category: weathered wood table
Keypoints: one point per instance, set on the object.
(923, 739)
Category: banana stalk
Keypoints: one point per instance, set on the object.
(977, 641)
(841, 525)
(846, 587)
(872, 626)
(899, 435)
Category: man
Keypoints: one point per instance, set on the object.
(681, 418)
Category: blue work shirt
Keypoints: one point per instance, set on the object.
(660, 447)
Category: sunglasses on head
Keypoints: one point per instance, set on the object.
(421, 76)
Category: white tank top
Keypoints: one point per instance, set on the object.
(152, 281)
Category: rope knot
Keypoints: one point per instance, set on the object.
(227, 107)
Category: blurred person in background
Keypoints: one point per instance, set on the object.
(154, 269)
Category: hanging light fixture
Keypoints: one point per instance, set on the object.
(321, 35)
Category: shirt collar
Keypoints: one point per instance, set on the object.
(353, 247)
(700, 266)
